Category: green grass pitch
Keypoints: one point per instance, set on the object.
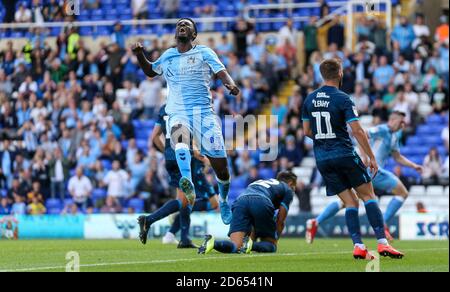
(293, 255)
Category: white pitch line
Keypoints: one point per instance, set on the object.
(197, 259)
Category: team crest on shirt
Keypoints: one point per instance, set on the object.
(191, 60)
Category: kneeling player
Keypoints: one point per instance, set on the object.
(254, 217)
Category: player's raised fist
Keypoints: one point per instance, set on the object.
(234, 90)
(137, 48)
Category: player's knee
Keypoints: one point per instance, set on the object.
(401, 191)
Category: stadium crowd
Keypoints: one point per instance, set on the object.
(66, 114)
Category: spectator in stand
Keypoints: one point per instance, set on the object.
(336, 33)
(151, 89)
(36, 207)
(361, 99)
(80, 188)
(292, 152)
(420, 29)
(444, 136)
(311, 44)
(421, 208)
(5, 207)
(23, 14)
(117, 181)
(403, 34)
(91, 4)
(10, 8)
(287, 32)
(118, 35)
(432, 167)
(206, 11)
(441, 33)
(139, 8)
(111, 206)
(59, 173)
(383, 74)
(170, 8)
(241, 29)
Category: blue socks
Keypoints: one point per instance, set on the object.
(353, 225)
(225, 246)
(330, 211)
(375, 218)
(167, 209)
(394, 205)
(200, 205)
(183, 156)
(185, 223)
(264, 246)
(224, 188)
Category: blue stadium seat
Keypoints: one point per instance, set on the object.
(142, 144)
(53, 203)
(432, 141)
(435, 119)
(3, 193)
(107, 164)
(414, 140)
(68, 202)
(98, 194)
(137, 205)
(239, 182)
(266, 173)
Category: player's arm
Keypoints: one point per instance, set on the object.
(307, 129)
(144, 63)
(156, 138)
(281, 219)
(228, 82)
(399, 158)
(361, 136)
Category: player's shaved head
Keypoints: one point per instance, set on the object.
(331, 70)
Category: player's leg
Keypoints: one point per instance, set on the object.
(168, 208)
(181, 141)
(265, 228)
(329, 212)
(220, 166)
(265, 245)
(240, 228)
(366, 193)
(400, 195)
(387, 182)
(212, 145)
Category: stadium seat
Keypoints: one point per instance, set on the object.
(239, 182)
(98, 194)
(266, 173)
(53, 206)
(308, 162)
(68, 202)
(417, 191)
(136, 204)
(435, 191)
